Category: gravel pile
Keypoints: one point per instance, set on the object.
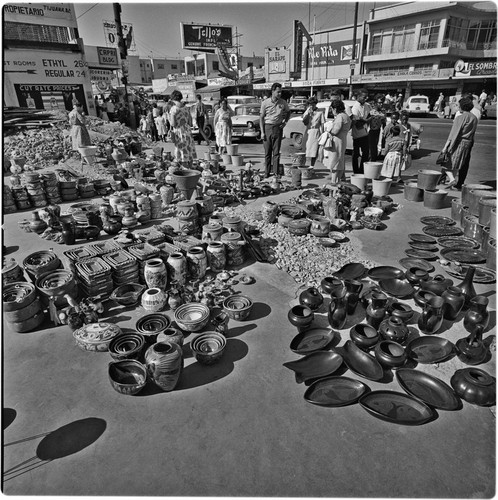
(302, 257)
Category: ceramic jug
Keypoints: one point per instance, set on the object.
(164, 362)
(467, 287)
(353, 289)
(431, 318)
(454, 301)
(472, 350)
(376, 310)
(337, 313)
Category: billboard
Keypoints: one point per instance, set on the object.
(334, 53)
(205, 36)
(475, 68)
(111, 34)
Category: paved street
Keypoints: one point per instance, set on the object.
(241, 427)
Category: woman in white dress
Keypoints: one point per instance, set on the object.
(334, 151)
(223, 126)
(314, 120)
(162, 129)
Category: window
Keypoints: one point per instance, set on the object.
(216, 65)
(174, 66)
(249, 64)
(420, 67)
(482, 35)
(456, 32)
(403, 38)
(160, 66)
(429, 33)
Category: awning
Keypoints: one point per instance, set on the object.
(211, 88)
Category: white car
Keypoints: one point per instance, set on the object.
(245, 120)
(417, 105)
(232, 100)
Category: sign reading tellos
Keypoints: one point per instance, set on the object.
(205, 36)
(474, 68)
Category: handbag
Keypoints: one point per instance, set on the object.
(443, 159)
(324, 139)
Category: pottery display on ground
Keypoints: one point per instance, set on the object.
(353, 289)
(127, 376)
(216, 256)
(164, 363)
(364, 336)
(208, 347)
(155, 274)
(467, 287)
(390, 354)
(376, 309)
(454, 301)
(238, 307)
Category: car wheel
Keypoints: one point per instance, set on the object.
(208, 131)
(297, 141)
(258, 136)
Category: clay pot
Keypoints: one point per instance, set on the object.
(36, 224)
(216, 256)
(320, 226)
(311, 298)
(454, 300)
(301, 317)
(329, 284)
(394, 329)
(467, 287)
(437, 285)
(364, 336)
(171, 335)
(337, 312)
(414, 275)
(390, 354)
(155, 274)
(177, 267)
(401, 311)
(196, 263)
(164, 362)
(431, 318)
(92, 232)
(353, 289)
(154, 300)
(474, 386)
(269, 211)
(477, 317)
(376, 310)
(112, 225)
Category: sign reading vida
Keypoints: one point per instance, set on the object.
(205, 36)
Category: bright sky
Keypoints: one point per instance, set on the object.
(156, 26)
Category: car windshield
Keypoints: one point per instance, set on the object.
(422, 100)
(247, 110)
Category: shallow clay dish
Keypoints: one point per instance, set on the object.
(421, 238)
(315, 365)
(362, 363)
(428, 350)
(335, 391)
(397, 288)
(385, 272)
(311, 340)
(351, 271)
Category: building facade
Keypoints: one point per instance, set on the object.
(44, 63)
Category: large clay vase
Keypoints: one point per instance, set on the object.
(155, 274)
(467, 287)
(394, 329)
(353, 289)
(36, 224)
(454, 301)
(431, 318)
(167, 193)
(177, 267)
(68, 233)
(311, 298)
(164, 362)
(112, 224)
(376, 310)
(186, 181)
(171, 335)
(196, 263)
(337, 313)
(216, 256)
(154, 300)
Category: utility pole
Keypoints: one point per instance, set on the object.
(237, 54)
(353, 56)
(313, 58)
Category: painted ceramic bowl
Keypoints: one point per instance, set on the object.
(151, 325)
(208, 347)
(96, 336)
(55, 283)
(192, 317)
(127, 376)
(238, 307)
(128, 294)
(126, 346)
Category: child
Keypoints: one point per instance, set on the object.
(395, 151)
(387, 134)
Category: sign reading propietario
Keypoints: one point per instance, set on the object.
(205, 36)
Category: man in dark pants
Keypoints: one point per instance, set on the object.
(360, 118)
(273, 116)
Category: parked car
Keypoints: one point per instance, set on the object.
(208, 125)
(241, 99)
(245, 121)
(452, 105)
(296, 130)
(297, 104)
(417, 105)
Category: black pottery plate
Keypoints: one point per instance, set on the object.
(436, 220)
(420, 254)
(482, 274)
(385, 272)
(464, 255)
(457, 242)
(396, 407)
(362, 363)
(397, 288)
(426, 350)
(422, 238)
(438, 231)
(429, 389)
(351, 271)
(335, 391)
(315, 365)
(408, 262)
(419, 245)
(311, 340)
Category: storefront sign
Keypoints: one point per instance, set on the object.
(315, 83)
(474, 68)
(395, 75)
(49, 96)
(325, 54)
(277, 62)
(220, 82)
(29, 12)
(111, 34)
(108, 56)
(205, 36)
(101, 75)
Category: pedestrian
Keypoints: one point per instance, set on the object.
(399, 102)
(160, 122)
(459, 143)
(110, 109)
(395, 152)
(200, 111)
(314, 120)
(483, 98)
(387, 132)
(152, 124)
(223, 126)
(181, 131)
(273, 117)
(440, 104)
(334, 153)
(377, 122)
(80, 137)
(144, 126)
(360, 118)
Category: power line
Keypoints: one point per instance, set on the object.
(88, 10)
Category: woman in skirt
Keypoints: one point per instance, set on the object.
(395, 151)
